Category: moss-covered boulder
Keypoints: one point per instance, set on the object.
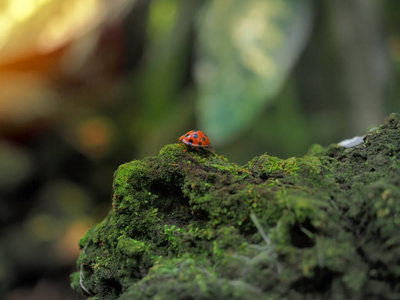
(190, 225)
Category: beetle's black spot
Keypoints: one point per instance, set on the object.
(203, 139)
(200, 144)
(190, 141)
(195, 135)
(187, 135)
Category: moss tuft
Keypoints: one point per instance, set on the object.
(192, 225)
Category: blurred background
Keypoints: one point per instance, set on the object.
(86, 85)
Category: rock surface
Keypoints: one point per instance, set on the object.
(189, 225)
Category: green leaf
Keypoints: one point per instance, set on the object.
(246, 52)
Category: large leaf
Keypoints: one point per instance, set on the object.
(246, 51)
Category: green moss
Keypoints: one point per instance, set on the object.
(192, 225)
(131, 247)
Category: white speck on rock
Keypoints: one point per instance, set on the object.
(351, 142)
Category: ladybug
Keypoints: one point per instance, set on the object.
(195, 138)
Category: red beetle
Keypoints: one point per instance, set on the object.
(195, 138)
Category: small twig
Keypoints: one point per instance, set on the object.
(270, 249)
(253, 217)
(81, 275)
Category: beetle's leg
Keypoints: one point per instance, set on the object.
(183, 144)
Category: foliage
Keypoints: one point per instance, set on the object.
(246, 52)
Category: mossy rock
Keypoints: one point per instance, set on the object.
(191, 225)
